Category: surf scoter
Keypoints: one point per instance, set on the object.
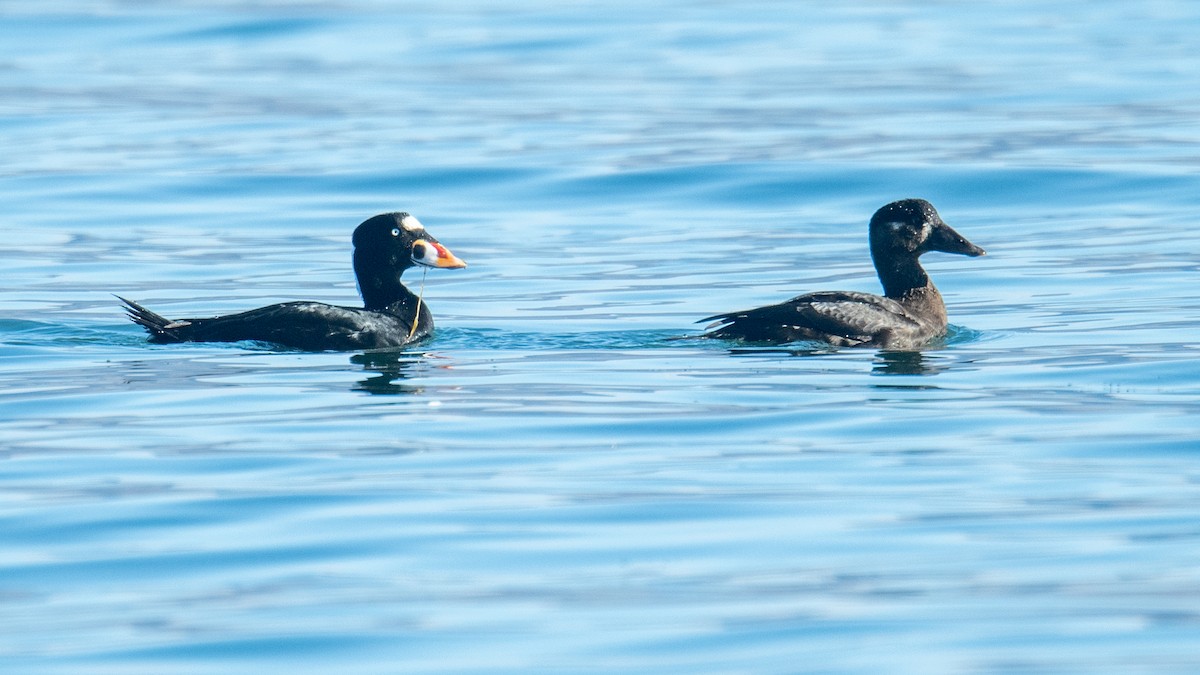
(384, 246)
(908, 315)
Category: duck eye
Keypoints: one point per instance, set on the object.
(395, 232)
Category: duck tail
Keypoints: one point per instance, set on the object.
(159, 327)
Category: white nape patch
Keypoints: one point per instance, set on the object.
(411, 223)
(896, 225)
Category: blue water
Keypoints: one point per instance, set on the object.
(553, 484)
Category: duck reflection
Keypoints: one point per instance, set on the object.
(390, 369)
(885, 362)
(905, 363)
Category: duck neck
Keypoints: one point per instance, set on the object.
(906, 282)
(380, 290)
(401, 303)
(899, 274)
(404, 304)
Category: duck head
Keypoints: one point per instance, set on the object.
(911, 227)
(385, 246)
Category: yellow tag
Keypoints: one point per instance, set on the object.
(417, 314)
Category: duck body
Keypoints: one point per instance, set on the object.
(311, 326)
(392, 316)
(909, 314)
(840, 318)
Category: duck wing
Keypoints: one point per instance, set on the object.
(842, 318)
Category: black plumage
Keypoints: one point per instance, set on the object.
(391, 316)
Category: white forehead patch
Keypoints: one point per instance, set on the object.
(411, 223)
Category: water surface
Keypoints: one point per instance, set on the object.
(553, 483)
